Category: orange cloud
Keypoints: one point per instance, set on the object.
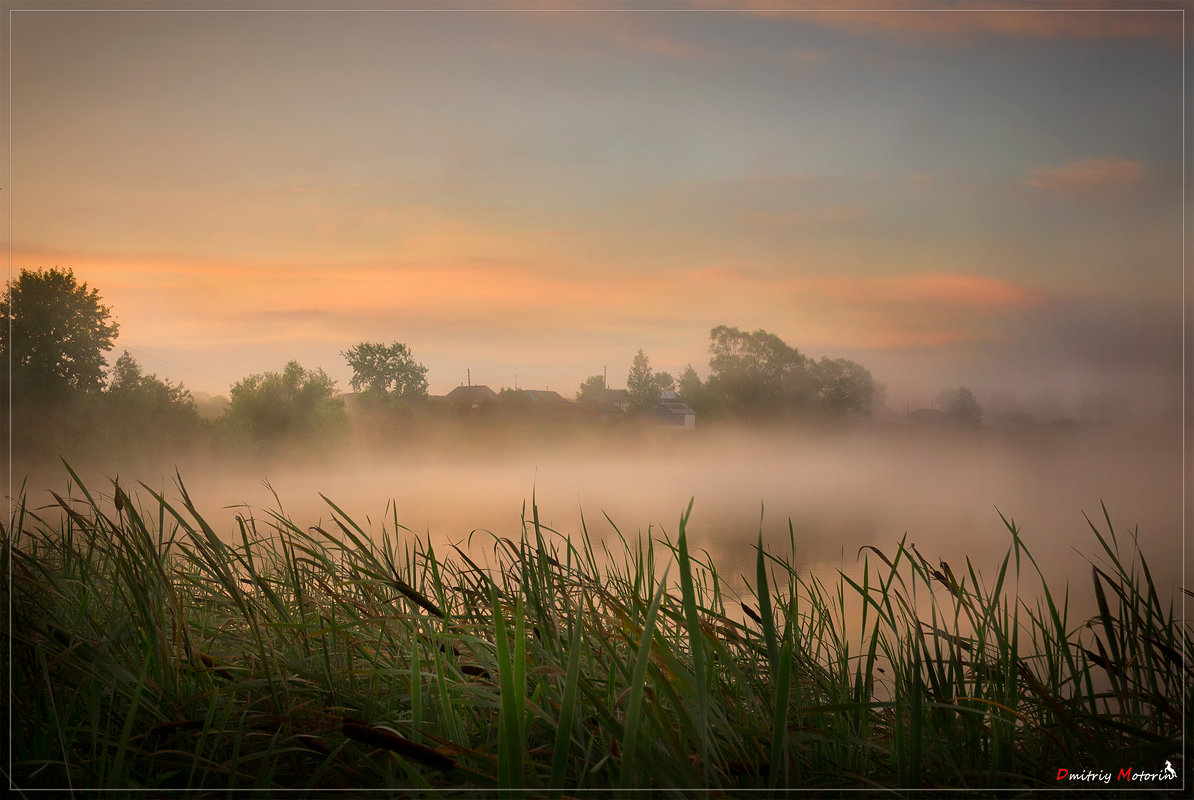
(186, 302)
(497, 308)
(898, 340)
(1085, 177)
(999, 19)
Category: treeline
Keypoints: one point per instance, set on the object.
(755, 377)
(63, 396)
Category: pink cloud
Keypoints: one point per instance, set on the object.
(1090, 21)
(899, 340)
(1086, 177)
(934, 289)
(971, 291)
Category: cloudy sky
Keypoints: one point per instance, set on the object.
(988, 197)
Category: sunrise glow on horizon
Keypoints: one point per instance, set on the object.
(991, 197)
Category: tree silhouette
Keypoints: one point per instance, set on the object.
(592, 390)
(961, 407)
(757, 374)
(295, 403)
(142, 409)
(55, 331)
(844, 386)
(381, 369)
(641, 384)
(691, 390)
(965, 409)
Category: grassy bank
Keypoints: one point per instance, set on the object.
(151, 648)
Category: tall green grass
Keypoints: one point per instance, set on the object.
(149, 650)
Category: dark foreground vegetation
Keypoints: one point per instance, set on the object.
(151, 650)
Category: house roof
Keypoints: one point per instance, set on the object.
(471, 394)
(670, 407)
(544, 396)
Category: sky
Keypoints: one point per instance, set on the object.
(985, 196)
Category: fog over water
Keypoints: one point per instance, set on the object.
(841, 490)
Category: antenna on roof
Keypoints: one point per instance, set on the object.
(469, 373)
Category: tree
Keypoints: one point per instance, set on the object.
(592, 390)
(294, 404)
(129, 381)
(392, 370)
(59, 333)
(961, 407)
(965, 410)
(690, 389)
(146, 408)
(515, 402)
(641, 384)
(757, 374)
(844, 387)
(132, 388)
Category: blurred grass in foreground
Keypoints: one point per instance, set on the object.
(149, 651)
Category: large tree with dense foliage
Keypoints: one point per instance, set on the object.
(515, 402)
(757, 374)
(591, 390)
(54, 333)
(386, 369)
(843, 387)
(148, 397)
(296, 403)
(140, 410)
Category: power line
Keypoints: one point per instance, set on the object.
(171, 363)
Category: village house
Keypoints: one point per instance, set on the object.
(674, 414)
(544, 397)
(474, 397)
